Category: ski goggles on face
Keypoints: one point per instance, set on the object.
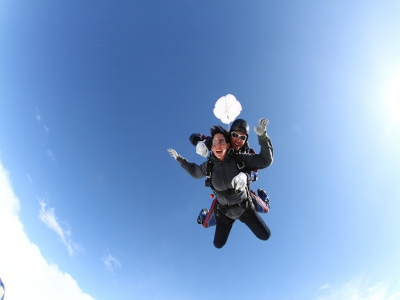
(238, 136)
(218, 142)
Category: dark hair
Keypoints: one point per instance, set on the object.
(218, 129)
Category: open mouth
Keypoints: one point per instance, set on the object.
(219, 152)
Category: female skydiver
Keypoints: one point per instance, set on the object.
(238, 136)
(230, 184)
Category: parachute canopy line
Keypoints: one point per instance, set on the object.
(2, 290)
(227, 108)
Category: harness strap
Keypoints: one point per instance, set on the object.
(239, 164)
(246, 215)
(210, 166)
(224, 219)
(249, 208)
(226, 192)
(241, 203)
(247, 204)
(238, 159)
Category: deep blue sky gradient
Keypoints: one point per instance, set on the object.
(116, 83)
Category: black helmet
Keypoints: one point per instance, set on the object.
(240, 125)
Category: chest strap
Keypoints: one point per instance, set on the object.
(226, 192)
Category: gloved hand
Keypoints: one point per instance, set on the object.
(239, 182)
(173, 153)
(262, 126)
(201, 149)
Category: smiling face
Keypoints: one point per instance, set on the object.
(219, 146)
(237, 142)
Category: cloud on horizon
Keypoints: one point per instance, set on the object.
(23, 270)
(48, 217)
(359, 289)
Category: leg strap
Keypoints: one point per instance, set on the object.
(249, 206)
(224, 219)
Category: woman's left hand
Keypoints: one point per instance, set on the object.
(239, 182)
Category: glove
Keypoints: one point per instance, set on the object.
(262, 127)
(201, 149)
(239, 182)
(173, 153)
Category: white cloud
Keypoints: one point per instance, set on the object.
(325, 286)
(359, 289)
(50, 154)
(49, 218)
(37, 115)
(110, 262)
(394, 297)
(23, 270)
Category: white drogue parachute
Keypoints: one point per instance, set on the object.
(227, 108)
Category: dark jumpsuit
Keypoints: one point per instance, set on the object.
(222, 175)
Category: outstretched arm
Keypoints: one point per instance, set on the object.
(193, 169)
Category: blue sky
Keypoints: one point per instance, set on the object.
(92, 94)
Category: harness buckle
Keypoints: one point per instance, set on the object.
(241, 165)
